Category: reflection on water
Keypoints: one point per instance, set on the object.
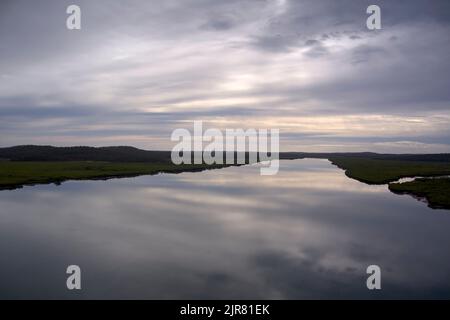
(308, 232)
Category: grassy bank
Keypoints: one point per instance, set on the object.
(367, 168)
(373, 171)
(435, 191)
(14, 174)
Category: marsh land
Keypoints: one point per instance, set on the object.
(29, 165)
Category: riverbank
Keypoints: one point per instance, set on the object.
(435, 191)
(28, 165)
(16, 174)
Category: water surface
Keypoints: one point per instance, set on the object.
(308, 232)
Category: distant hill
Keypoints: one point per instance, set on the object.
(110, 154)
(131, 154)
(437, 157)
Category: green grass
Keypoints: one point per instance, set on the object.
(16, 174)
(435, 191)
(373, 171)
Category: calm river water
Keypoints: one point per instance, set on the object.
(308, 232)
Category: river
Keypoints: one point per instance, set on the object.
(308, 232)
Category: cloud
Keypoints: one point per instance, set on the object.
(365, 53)
(140, 63)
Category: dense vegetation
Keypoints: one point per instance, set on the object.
(109, 154)
(375, 171)
(24, 165)
(435, 191)
(16, 174)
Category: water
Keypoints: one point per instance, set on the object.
(309, 232)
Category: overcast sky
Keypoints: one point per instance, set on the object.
(139, 69)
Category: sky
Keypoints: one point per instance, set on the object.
(138, 69)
